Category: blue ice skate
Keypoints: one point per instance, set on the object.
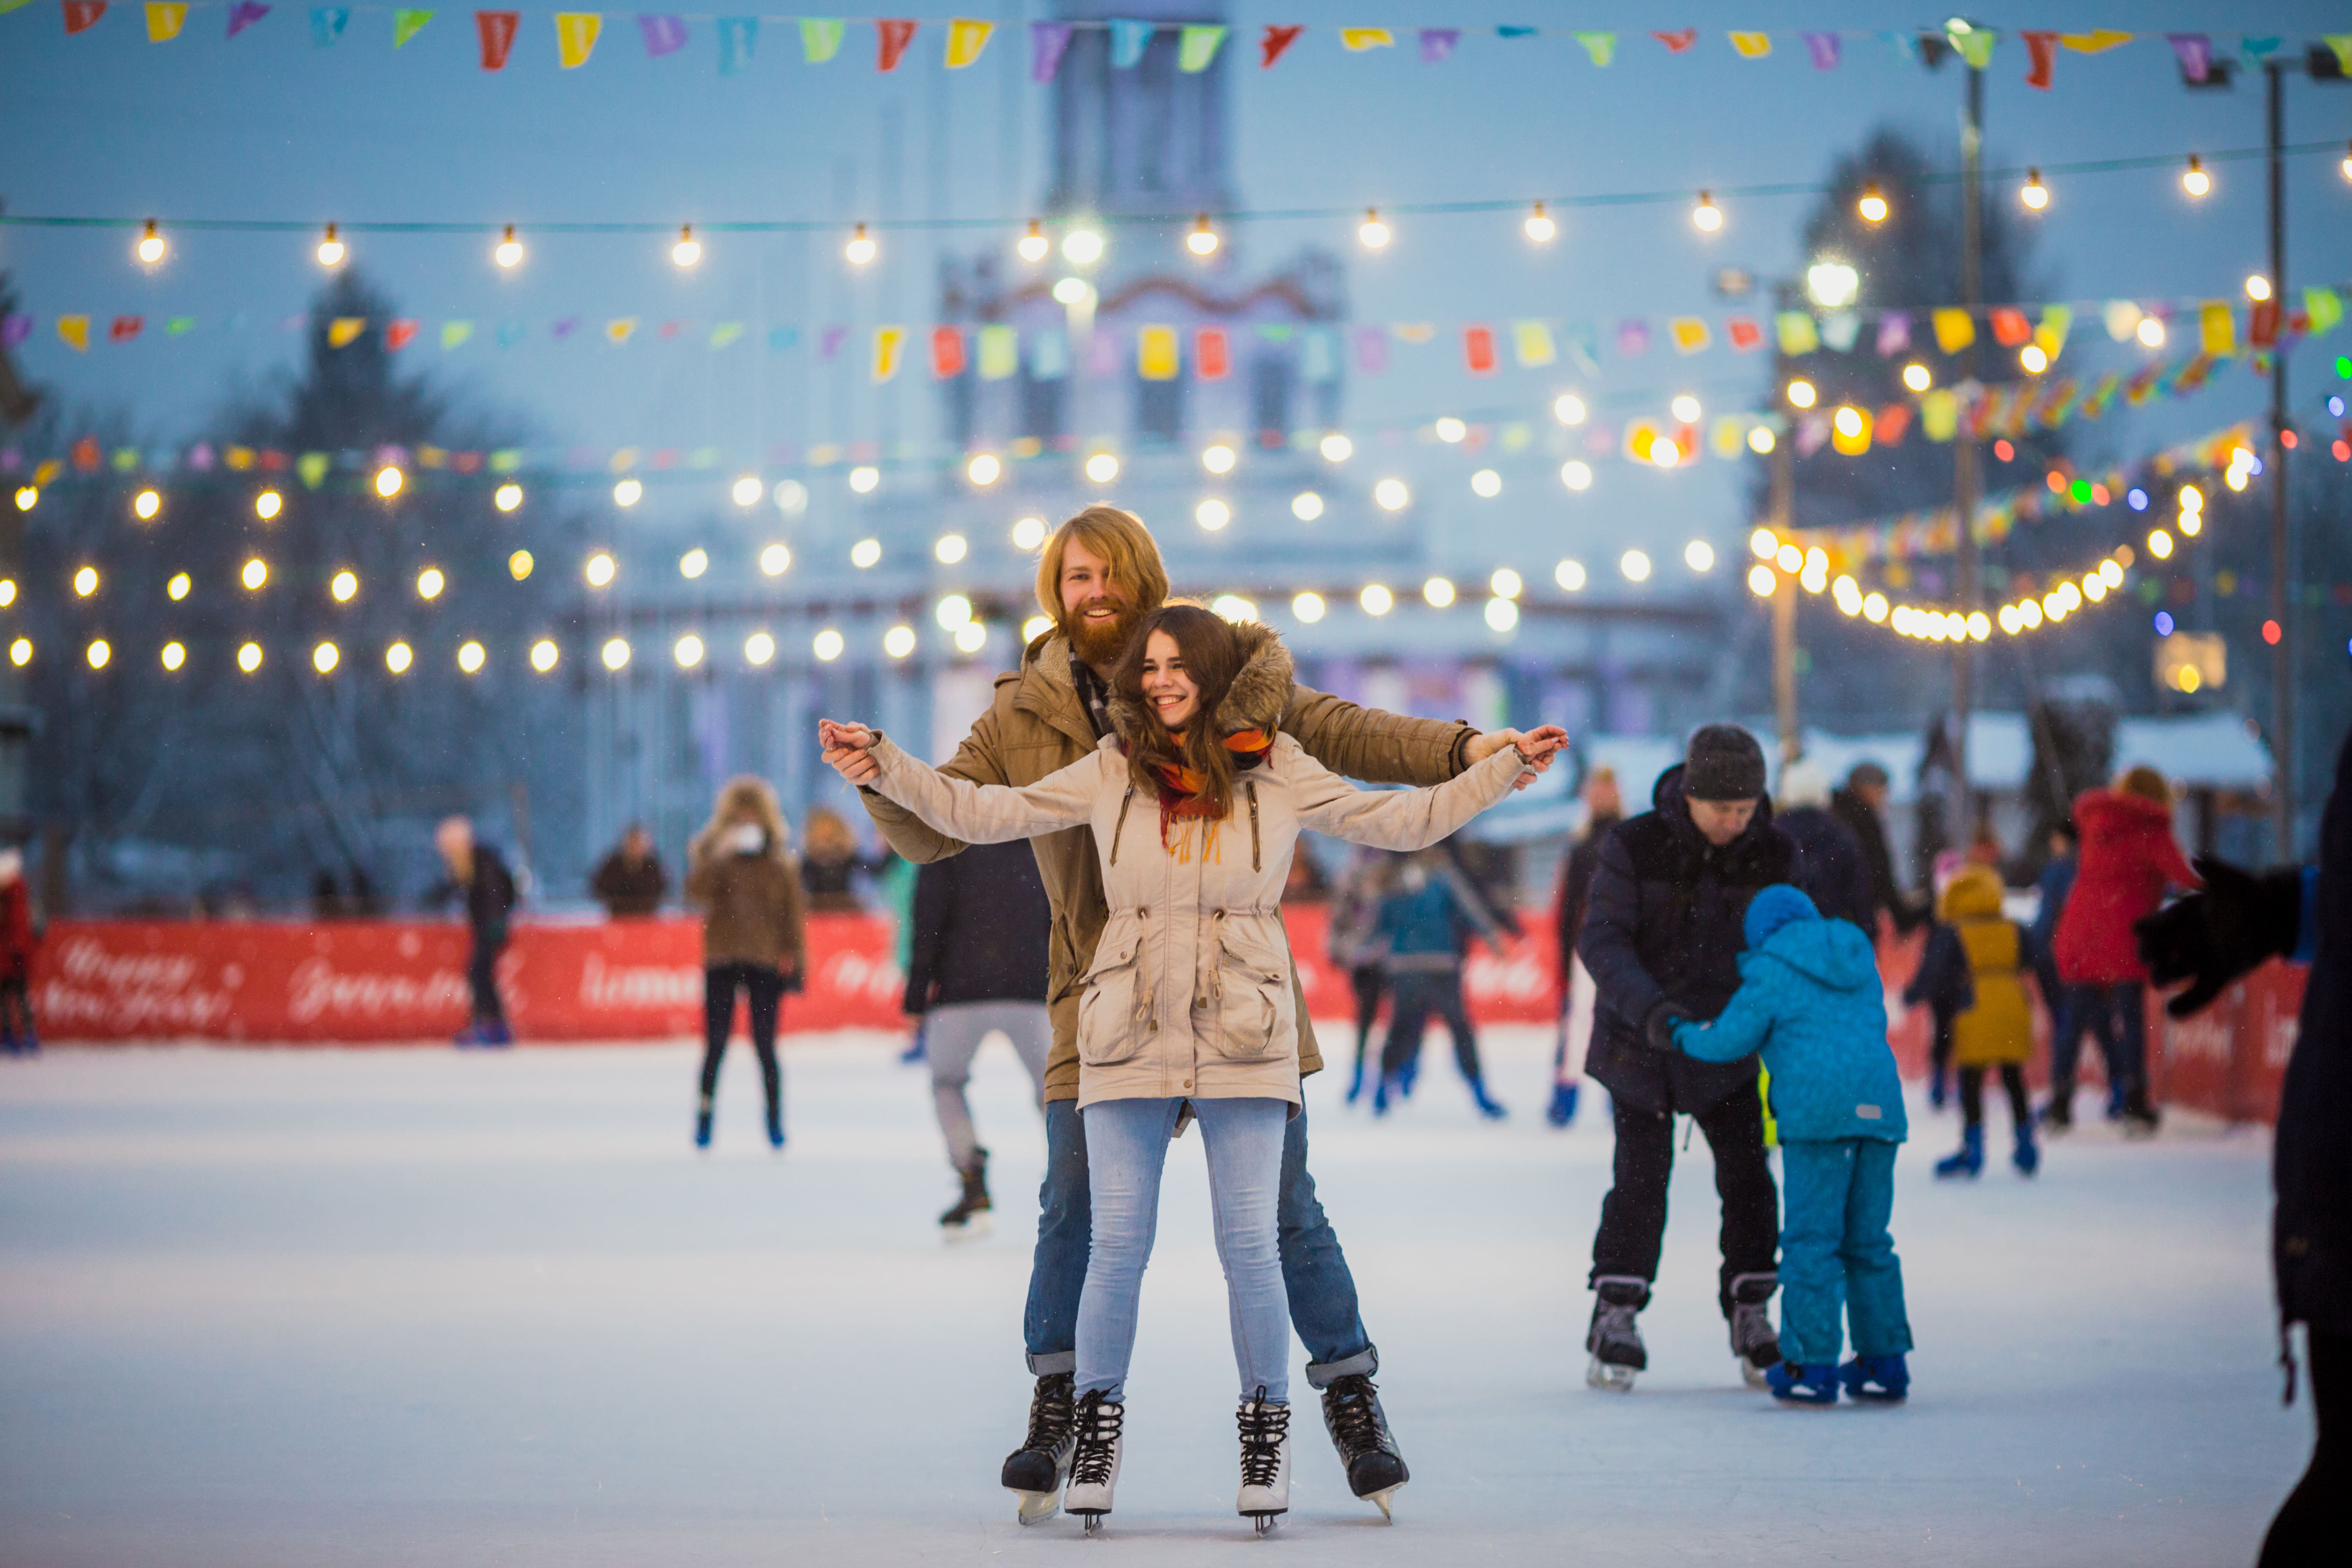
(1356, 1084)
(2027, 1156)
(1488, 1106)
(1801, 1384)
(1882, 1379)
(1968, 1159)
(1563, 1109)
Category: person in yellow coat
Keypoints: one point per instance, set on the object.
(1977, 952)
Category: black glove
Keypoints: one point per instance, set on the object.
(1658, 1029)
(2217, 935)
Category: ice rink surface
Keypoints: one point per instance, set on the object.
(407, 1307)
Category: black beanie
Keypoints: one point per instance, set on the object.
(1724, 763)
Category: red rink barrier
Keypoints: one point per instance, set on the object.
(395, 982)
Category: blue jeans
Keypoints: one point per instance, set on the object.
(2117, 1016)
(1126, 1149)
(1314, 1270)
(1836, 1251)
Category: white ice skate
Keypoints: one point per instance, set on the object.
(1265, 1461)
(1093, 1467)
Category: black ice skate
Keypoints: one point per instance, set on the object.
(1613, 1340)
(1094, 1463)
(970, 1216)
(1359, 1431)
(1752, 1338)
(1265, 1461)
(1037, 1469)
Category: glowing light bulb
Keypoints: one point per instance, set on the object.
(1760, 439)
(2258, 288)
(746, 490)
(952, 611)
(174, 655)
(1576, 474)
(628, 492)
(2194, 179)
(255, 574)
(1763, 544)
(1540, 226)
(1762, 580)
(1568, 408)
(694, 562)
(330, 249)
(861, 248)
(774, 560)
(1376, 599)
(1873, 607)
(28, 497)
(1635, 564)
(99, 652)
(1202, 240)
(1029, 533)
(471, 656)
(759, 648)
(1685, 409)
(1915, 376)
(950, 548)
(600, 570)
(544, 654)
(2347, 165)
(1663, 452)
(1308, 607)
(1102, 467)
(1487, 482)
(1437, 593)
(1391, 495)
(2151, 333)
(510, 249)
(1502, 614)
(325, 657)
(1451, 430)
(1699, 555)
(899, 641)
(616, 654)
(1372, 232)
(1307, 506)
(177, 587)
(150, 245)
(2035, 361)
(1847, 422)
(1218, 459)
(866, 554)
(398, 658)
(1033, 245)
(2034, 193)
(248, 657)
(146, 504)
(1569, 575)
(688, 249)
(1802, 394)
(388, 481)
(509, 495)
(268, 504)
(1706, 215)
(430, 582)
(1505, 584)
(864, 477)
(1082, 248)
(1212, 514)
(1336, 447)
(688, 651)
(1873, 205)
(20, 652)
(1073, 292)
(983, 470)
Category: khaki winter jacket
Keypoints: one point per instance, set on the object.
(1192, 992)
(1037, 725)
(752, 906)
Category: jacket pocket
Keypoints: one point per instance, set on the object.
(1254, 1009)
(1115, 1006)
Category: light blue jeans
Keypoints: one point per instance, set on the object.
(1126, 1146)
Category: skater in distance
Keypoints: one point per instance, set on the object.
(1098, 576)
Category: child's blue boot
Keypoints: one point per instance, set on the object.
(1801, 1384)
(1884, 1378)
(1488, 1106)
(1970, 1160)
(2026, 1156)
(1562, 1110)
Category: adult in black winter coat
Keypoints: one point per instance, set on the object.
(1663, 932)
(2213, 938)
(1857, 805)
(1830, 869)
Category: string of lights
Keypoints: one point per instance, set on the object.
(1083, 239)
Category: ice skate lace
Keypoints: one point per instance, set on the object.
(1263, 1426)
(1099, 1427)
(1050, 1417)
(1353, 1414)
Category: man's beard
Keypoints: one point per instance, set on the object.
(1100, 643)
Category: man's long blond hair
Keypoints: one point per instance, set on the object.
(1121, 538)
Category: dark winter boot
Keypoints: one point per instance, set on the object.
(1936, 1093)
(1488, 1106)
(1359, 1431)
(775, 1124)
(1613, 1339)
(2140, 1118)
(2058, 1115)
(1802, 1384)
(1563, 1109)
(2026, 1157)
(1884, 1378)
(974, 1202)
(1969, 1159)
(1752, 1338)
(702, 1124)
(1356, 1084)
(1382, 1092)
(1037, 1469)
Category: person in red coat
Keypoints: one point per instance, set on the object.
(2127, 861)
(17, 942)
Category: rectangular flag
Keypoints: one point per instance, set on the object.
(575, 36)
(1213, 354)
(1955, 330)
(1531, 342)
(888, 342)
(1478, 350)
(1155, 354)
(1371, 351)
(1000, 352)
(2217, 327)
(966, 38)
(1689, 333)
(498, 35)
(164, 19)
(820, 38)
(947, 353)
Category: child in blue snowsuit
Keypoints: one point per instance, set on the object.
(1810, 1001)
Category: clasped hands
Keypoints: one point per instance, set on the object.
(849, 750)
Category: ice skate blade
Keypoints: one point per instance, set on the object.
(1093, 1520)
(1754, 1374)
(972, 1229)
(1381, 1500)
(1264, 1523)
(1036, 1508)
(1609, 1375)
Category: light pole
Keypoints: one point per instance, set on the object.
(2282, 611)
(1966, 484)
(1784, 608)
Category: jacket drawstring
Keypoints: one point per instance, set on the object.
(1251, 785)
(1124, 802)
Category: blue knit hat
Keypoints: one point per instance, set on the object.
(1775, 907)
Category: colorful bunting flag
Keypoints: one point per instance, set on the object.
(891, 36)
(399, 334)
(164, 19)
(1000, 352)
(2042, 50)
(1799, 334)
(1955, 330)
(2096, 42)
(180, 325)
(2195, 51)
(1689, 334)
(1437, 44)
(82, 14)
(1973, 45)
(1823, 47)
(1478, 350)
(888, 342)
(2262, 325)
(2050, 335)
(312, 467)
(2217, 327)
(2324, 306)
(2009, 327)
(1633, 339)
(1531, 344)
(2341, 44)
(343, 330)
(327, 25)
(244, 14)
(1155, 354)
(407, 25)
(1128, 39)
(1213, 353)
(1197, 46)
(124, 328)
(1752, 46)
(1358, 39)
(725, 333)
(947, 353)
(497, 30)
(820, 38)
(663, 35)
(1679, 41)
(1601, 47)
(738, 37)
(966, 38)
(455, 333)
(1744, 332)
(1839, 330)
(1047, 40)
(1049, 354)
(2255, 51)
(2122, 320)
(1371, 351)
(575, 36)
(1894, 333)
(618, 329)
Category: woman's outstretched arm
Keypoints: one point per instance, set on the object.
(1404, 819)
(977, 814)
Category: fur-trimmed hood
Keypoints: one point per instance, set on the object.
(1257, 699)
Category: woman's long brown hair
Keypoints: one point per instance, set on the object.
(1212, 657)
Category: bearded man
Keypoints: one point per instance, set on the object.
(1098, 576)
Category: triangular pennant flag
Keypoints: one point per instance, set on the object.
(312, 467)
(164, 19)
(496, 29)
(2195, 51)
(1974, 45)
(891, 36)
(1437, 44)
(575, 36)
(1904, 45)
(454, 333)
(1371, 351)
(1128, 39)
(2050, 335)
(343, 330)
(327, 25)
(1213, 353)
(1601, 47)
(2326, 309)
(1894, 333)
(244, 14)
(1531, 344)
(1270, 44)
(2094, 43)
(2254, 50)
(619, 329)
(738, 37)
(1197, 44)
(399, 334)
(1800, 334)
(1955, 330)
(2009, 327)
(82, 14)
(1360, 38)
(947, 353)
(178, 326)
(1752, 46)
(724, 332)
(407, 25)
(2042, 51)
(966, 38)
(1823, 47)
(1689, 334)
(663, 35)
(1000, 352)
(1509, 32)
(1047, 41)
(1677, 42)
(1156, 354)
(888, 342)
(820, 38)
(124, 328)
(2341, 44)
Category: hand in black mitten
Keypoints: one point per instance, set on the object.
(1658, 1029)
(2217, 935)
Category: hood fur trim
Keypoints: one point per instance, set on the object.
(1259, 697)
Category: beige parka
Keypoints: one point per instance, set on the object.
(1190, 992)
